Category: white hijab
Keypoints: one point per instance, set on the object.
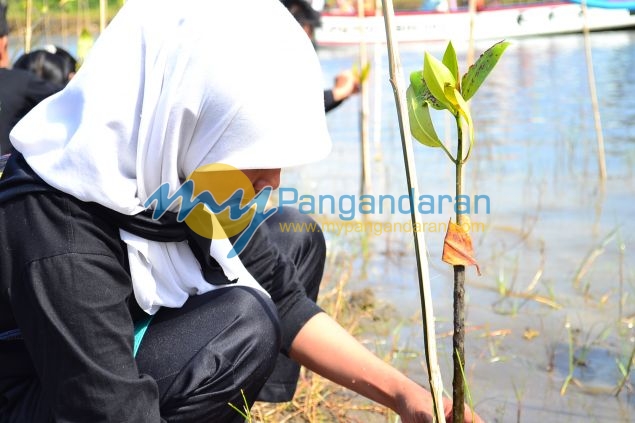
(168, 87)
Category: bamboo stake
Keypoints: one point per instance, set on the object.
(470, 49)
(78, 25)
(85, 14)
(47, 22)
(377, 124)
(366, 182)
(429, 337)
(102, 15)
(28, 31)
(64, 19)
(594, 96)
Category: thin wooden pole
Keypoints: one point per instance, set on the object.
(86, 18)
(425, 293)
(366, 180)
(377, 59)
(78, 15)
(470, 49)
(64, 19)
(102, 15)
(28, 31)
(594, 96)
(47, 22)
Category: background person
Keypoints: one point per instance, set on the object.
(51, 63)
(20, 91)
(346, 83)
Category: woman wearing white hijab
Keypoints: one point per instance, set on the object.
(80, 261)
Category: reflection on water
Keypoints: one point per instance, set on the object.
(557, 242)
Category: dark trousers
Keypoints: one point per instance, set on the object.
(70, 294)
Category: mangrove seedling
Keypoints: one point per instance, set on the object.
(439, 86)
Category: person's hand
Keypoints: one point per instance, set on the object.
(346, 84)
(415, 406)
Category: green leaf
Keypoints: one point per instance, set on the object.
(363, 75)
(421, 125)
(437, 76)
(477, 73)
(451, 62)
(417, 83)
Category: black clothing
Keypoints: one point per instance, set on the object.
(65, 283)
(329, 102)
(203, 354)
(307, 249)
(3, 162)
(20, 91)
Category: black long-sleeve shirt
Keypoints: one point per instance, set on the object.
(329, 101)
(20, 91)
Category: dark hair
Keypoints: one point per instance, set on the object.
(303, 12)
(4, 26)
(70, 63)
(55, 67)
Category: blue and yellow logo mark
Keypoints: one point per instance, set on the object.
(216, 201)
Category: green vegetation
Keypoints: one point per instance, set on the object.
(53, 15)
(18, 7)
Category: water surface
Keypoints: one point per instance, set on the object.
(536, 159)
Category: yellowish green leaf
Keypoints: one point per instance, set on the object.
(417, 83)
(363, 75)
(421, 126)
(437, 76)
(451, 62)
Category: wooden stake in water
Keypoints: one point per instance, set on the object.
(366, 182)
(28, 31)
(396, 79)
(102, 15)
(471, 7)
(594, 95)
(377, 124)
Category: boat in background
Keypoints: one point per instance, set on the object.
(490, 22)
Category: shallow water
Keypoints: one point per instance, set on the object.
(536, 159)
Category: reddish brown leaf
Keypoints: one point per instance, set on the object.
(457, 247)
